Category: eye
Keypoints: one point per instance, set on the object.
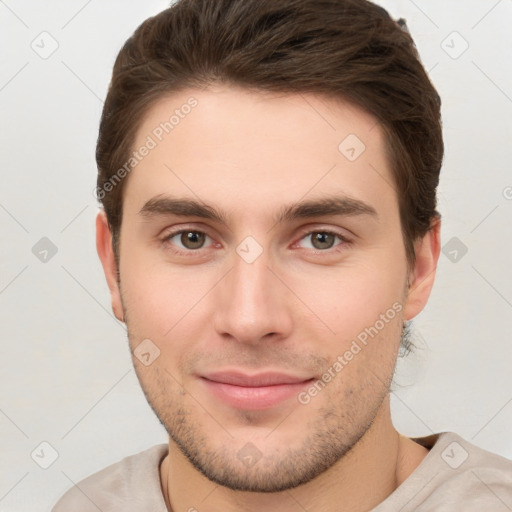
(187, 239)
(321, 240)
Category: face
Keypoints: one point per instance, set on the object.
(263, 280)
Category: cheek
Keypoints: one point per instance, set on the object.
(353, 297)
(160, 299)
(363, 364)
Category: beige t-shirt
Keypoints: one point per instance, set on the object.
(455, 476)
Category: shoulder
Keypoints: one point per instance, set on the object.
(455, 475)
(130, 484)
(460, 456)
(473, 475)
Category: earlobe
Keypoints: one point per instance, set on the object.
(421, 278)
(108, 261)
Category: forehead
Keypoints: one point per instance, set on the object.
(254, 150)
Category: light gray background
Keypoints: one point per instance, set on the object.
(65, 369)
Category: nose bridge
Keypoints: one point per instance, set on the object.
(251, 303)
(250, 282)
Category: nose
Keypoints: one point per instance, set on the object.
(252, 304)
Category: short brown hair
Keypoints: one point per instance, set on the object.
(347, 49)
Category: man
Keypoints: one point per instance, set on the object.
(268, 174)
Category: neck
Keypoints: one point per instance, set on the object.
(375, 466)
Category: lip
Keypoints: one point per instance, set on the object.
(254, 392)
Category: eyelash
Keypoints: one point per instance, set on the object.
(344, 241)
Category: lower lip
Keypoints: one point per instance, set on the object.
(254, 398)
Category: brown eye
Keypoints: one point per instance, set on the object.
(192, 239)
(322, 240)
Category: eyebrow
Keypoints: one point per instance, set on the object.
(344, 206)
(183, 207)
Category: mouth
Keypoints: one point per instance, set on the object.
(254, 392)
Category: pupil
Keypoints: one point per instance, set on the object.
(323, 240)
(192, 239)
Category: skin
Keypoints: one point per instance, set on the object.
(295, 309)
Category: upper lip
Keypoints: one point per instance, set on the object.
(257, 380)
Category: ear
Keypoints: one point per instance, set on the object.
(106, 254)
(421, 277)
